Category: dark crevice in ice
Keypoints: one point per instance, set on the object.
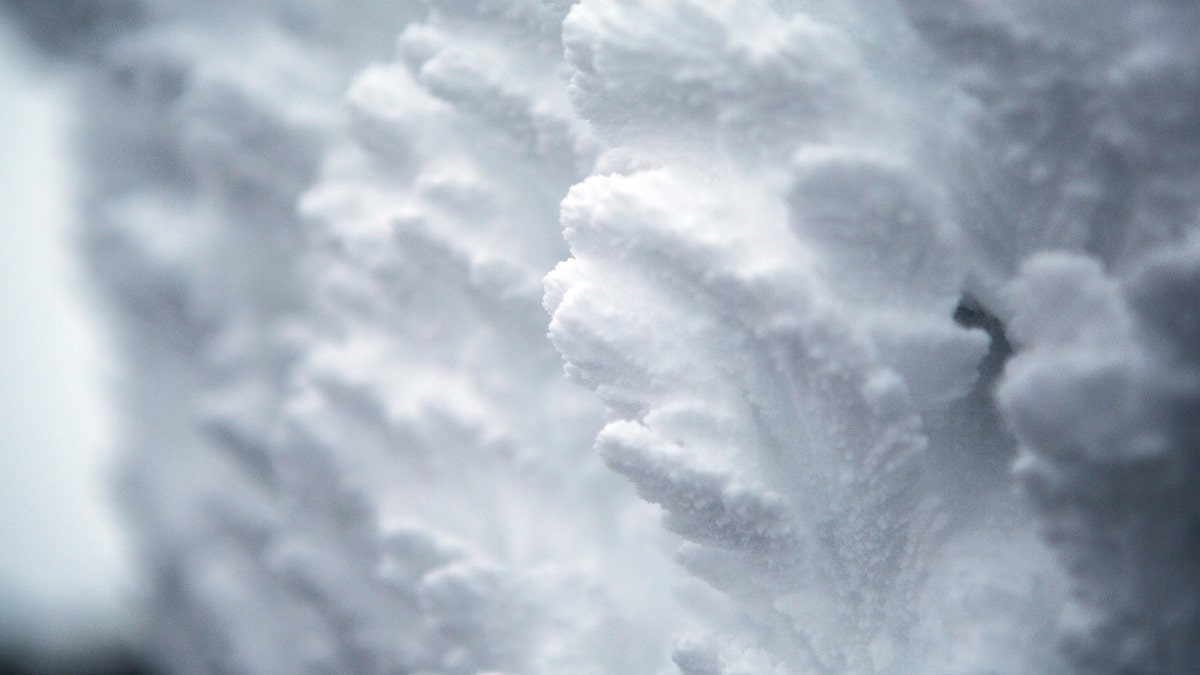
(970, 447)
(970, 313)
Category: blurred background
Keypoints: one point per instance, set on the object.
(67, 585)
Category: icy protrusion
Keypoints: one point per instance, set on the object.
(349, 438)
(1105, 399)
(425, 388)
(1091, 121)
(203, 125)
(741, 318)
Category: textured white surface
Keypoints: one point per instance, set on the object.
(751, 225)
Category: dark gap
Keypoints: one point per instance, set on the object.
(970, 313)
(115, 660)
(970, 449)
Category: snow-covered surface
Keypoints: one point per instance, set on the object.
(782, 250)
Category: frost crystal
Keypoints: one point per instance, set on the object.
(785, 248)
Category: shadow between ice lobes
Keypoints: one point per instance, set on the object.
(973, 428)
(972, 433)
(113, 660)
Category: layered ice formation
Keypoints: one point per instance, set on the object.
(784, 252)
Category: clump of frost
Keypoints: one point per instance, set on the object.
(1104, 400)
(801, 239)
(732, 298)
(795, 226)
(426, 392)
(1088, 121)
(203, 126)
(351, 448)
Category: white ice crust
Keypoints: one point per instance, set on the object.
(782, 251)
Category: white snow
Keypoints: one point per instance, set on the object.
(775, 247)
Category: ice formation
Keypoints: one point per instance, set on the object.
(786, 248)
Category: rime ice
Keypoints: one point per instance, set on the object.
(356, 246)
